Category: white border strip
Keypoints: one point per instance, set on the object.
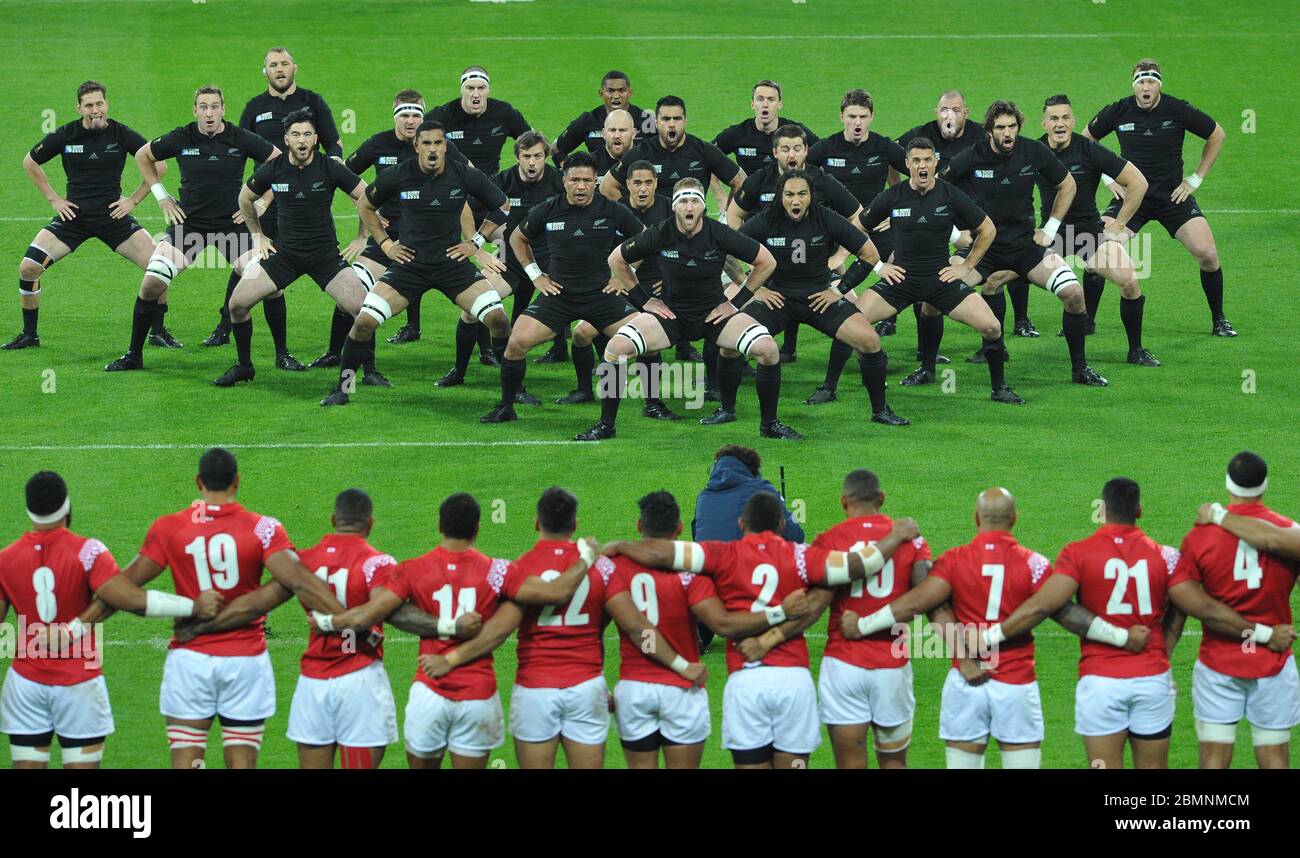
(23, 448)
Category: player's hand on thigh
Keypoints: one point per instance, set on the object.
(463, 250)
(658, 308)
(725, 310)
(1113, 232)
(265, 247)
(1181, 193)
(353, 250)
(64, 209)
(892, 274)
(121, 208)
(547, 286)
(769, 298)
(955, 273)
(399, 252)
(615, 287)
(822, 301)
(172, 211)
(487, 262)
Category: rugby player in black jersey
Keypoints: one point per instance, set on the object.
(615, 94)
(383, 151)
(804, 238)
(1151, 127)
(478, 125)
(649, 208)
(1099, 247)
(1002, 171)
(675, 155)
(581, 227)
(692, 249)
(304, 182)
(432, 192)
(264, 115)
(750, 140)
(923, 211)
(210, 154)
(94, 150)
(789, 152)
(863, 161)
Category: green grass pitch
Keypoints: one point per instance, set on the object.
(1171, 428)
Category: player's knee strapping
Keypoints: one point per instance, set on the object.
(1260, 737)
(29, 754)
(38, 255)
(897, 738)
(1026, 758)
(363, 274)
(248, 737)
(1061, 278)
(28, 288)
(376, 308)
(633, 335)
(82, 755)
(959, 759)
(484, 304)
(161, 267)
(1225, 734)
(180, 738)
(750, 337)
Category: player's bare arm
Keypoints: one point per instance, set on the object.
(634, 625)
(930, 594)
(1065, 192)
(610, 187)
(375, 610)
(507, 618)
(1172, 625)
(315, 594)
(984, 235)
(1133, 189)
(248, 209)
(147, 164)
(36, 174)
(535, 591)
(735, 625)
(1191, 599)
(1209, 154)
(1264, 535)
(242, 611)
(755, 648)
(523, 250)
(121, 593)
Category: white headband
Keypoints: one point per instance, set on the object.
(687, 192)
(1243, 491)
(52, 517)
(1145, 73)
(403, 108)
(475, 73)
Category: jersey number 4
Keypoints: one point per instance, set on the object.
(1246, 566)
(573, 614)
(216, 561)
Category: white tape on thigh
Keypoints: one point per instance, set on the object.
(28, 754)
(249, 736)
(633, 335)
(377, 308)
(161, 267)
(179, 738)
(749, 337)
(363, 274)
(1028, 758)
(891, 735)
(81, 755)
(1061, 278)
(959, 759)
(1224, 734)
(1259, 736)
(485, 303)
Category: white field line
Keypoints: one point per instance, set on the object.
(19, 448)
(353, 217)
(842, 37)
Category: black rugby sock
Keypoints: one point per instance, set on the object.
(523, 297)
(584, 364)
(767, 380)
(340, 324)
(231, 283)
(29, 321)
(1093, 285)
(277, 320)
(840, 353)
(243, 332)
(1130, 313)
(994, 356)
(710, 365)
(998, 304)
(612, 389)
(140, 322)
(932, 336)
(1212, 285)
(1019, 292)
(729, 371)
(790, 338)
(512, 379)
(1075, 326)
(159, 314)
(873, 366)
(466, 338)
(413, 312)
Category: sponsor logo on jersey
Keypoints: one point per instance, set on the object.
(901, 213)
(1127, 126)
(496, 130)
(262, 117)
(387, 159)
(1026, 170)
(983, 174)
(598, 221)
(592, 135)
(112, 147)
(455, 135)
(476, 142)
(1147, 133)
(668, 254)
(299, 196)
(922, 219)
(817, 239)
(555, 226)
(213, 158)
(76, 149)
(515, 201)
(694, 165)
(577, 233)
(690, 263)
(874, 159)
(94, 156)
(435, 203)
(1166, 123)
(191, 152)
(777, 241)
(747, 152)
(1006, 181)
(766, 198)
(280, 187)
(409, 195)
(835, 162)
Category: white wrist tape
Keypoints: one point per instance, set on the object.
(1263, 633)
(879, 265)
(679, 665)
(776, 615)
(446, 626)
(324, 622)
(587, 553)
(954, 235)
(158, 191)
(1104, 632)
(1107, 181)
(688, 557)
(1050, 228)
(159, 604)
(533, 270)
(1217, 512)
(993, 636)
(877, 622)
(872, 560)
(478, 239)
(1194, 180)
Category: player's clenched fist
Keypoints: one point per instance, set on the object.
(208, 604)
